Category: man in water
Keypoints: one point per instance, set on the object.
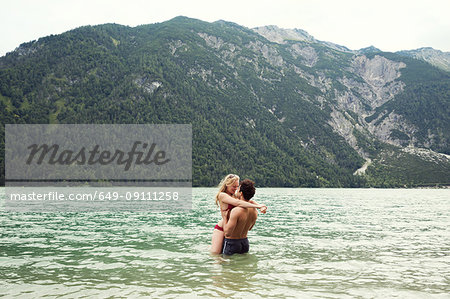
(240, 222)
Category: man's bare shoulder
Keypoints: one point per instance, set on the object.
(241, 211)
(238, 210)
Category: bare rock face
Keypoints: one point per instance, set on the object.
(383, 130)
(280, 36)
(147, 84)
(379, 74)
(376, 85)
(343, 126)
(268, 52)
(228, 51)
(212, 41)
(377, 71)
(308, 54)
(379, 84)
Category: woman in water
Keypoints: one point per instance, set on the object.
(226, 201)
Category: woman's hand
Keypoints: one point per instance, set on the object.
(263, 209)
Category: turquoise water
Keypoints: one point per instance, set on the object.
(312, 243)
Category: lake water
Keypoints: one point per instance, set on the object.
(312, 243)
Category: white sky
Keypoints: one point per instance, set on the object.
(390, 25)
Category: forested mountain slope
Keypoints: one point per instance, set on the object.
(285, 112)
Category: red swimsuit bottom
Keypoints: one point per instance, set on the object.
(230, 207)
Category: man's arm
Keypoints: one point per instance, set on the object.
(229, 227)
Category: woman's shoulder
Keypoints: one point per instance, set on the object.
(224, 200)
(223, 194)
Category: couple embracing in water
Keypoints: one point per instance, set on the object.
(238, 213)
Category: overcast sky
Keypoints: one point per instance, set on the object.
(390, 25)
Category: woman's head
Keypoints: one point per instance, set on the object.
(229, 185)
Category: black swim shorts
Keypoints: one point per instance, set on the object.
(232, 246)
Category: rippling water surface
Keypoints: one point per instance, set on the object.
(324, 243)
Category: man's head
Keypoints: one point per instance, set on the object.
(247, 188)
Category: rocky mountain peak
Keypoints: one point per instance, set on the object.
(435, 57)
(279, 35)
(370, 49)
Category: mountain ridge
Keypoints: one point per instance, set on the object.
(298, 113)
(276, 34)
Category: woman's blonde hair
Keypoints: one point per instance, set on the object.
(227, 181)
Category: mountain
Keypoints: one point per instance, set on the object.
(435, 57)
(368, 50)
(269, 104)
(282, 36)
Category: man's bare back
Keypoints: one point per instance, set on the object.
(241, 221)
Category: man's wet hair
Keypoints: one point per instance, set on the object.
(247, 188)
